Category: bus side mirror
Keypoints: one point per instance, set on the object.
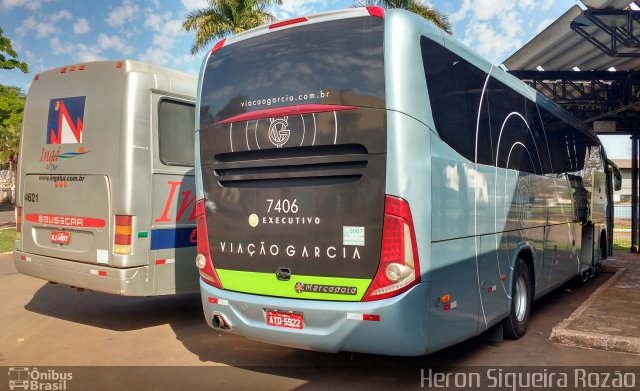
(617, 182)
(615, 174)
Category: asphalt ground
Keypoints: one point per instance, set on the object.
(169, 345)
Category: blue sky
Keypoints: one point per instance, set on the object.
(52, 33)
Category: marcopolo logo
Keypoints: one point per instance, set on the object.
(278, 132)
(329, 289)
(33, 379)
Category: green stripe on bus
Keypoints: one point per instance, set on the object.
(298, 287)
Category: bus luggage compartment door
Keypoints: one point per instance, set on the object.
(67, 216)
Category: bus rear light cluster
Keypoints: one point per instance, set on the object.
(203, 259)
(122, 237)
(18, 223)
(399, 267)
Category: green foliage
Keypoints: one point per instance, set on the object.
(225, 17)
(8, 56)
(7, 240)
(418, 7)
(11, 109)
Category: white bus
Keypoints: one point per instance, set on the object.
(106, 196)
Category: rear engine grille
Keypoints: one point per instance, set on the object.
(291, 167)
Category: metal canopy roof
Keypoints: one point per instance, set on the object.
(558, 47)
(569, 62)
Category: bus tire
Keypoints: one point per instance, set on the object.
(515, 325)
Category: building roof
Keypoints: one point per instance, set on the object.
(560, 48)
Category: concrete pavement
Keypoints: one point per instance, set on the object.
(610, 318)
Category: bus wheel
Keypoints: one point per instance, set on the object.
(515, 325)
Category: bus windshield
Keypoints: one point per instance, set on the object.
(336, 62)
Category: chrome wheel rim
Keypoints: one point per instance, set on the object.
(521, 298)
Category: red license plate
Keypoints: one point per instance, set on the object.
(60, 237)
(285, 319)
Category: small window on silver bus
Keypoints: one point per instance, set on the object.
(176, 125)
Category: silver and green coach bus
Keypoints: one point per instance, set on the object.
(366, 183)
(106, 193)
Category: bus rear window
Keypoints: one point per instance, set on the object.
(337, 62)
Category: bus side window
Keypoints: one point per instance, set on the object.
(455, 87)
(176, 126)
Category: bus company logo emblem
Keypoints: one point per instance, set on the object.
(524, 205)
(66, 120)
(327, 289)
(278, 132)
(253, 220)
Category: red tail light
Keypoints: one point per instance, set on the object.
(122, 237)
(218, 45)
(399, 267)
(203, 259)
(287, 23)
(376, 11)
(18, 223)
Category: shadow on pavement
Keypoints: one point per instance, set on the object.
(183, 313)
(117, 313)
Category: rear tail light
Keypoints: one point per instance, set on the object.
(287, 23)
(122, 237)
(399, 268)
(203, 259)
(18, 223)
(376, 11)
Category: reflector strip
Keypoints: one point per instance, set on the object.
(25, 258)
(65, 221)
(285, 111)
(367, 317)
(165, 261)
(287, 23)
(450, 306)
(214, 300)
(492, 289)
(100, 273)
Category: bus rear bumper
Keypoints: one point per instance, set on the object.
(100, 278)
(328, 326)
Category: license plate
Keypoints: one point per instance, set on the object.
(60, 237)
(285, 319)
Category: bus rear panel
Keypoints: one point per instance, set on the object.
(293, 160)
(88, 159)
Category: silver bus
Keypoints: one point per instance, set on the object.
(366, 183)
(106, 196)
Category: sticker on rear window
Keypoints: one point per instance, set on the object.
(102, 256)
(352, 236)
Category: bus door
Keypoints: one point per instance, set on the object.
(173, 233)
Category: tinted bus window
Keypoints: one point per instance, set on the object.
(455, 87)
(329, 63)
(176, 124)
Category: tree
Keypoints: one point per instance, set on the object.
(225, 17)
(417, 7)
(8, 56)
(11, 109)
